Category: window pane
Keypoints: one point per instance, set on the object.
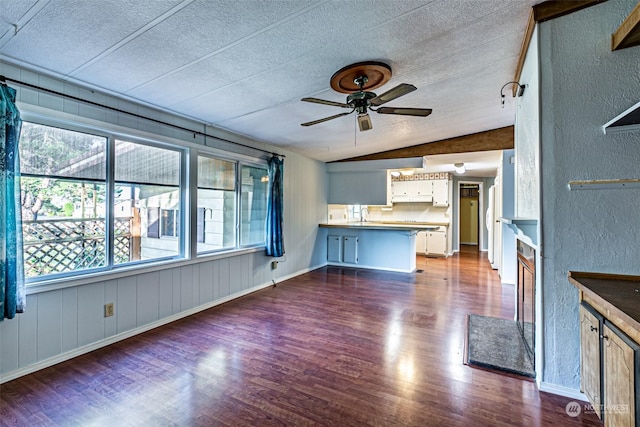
(49, 151)
(63, 196)
(216, 204)
(253, 205)
(143, 164)
(216, 174)
(146, 202)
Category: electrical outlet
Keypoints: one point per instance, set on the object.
(274, 265)
(108, 310)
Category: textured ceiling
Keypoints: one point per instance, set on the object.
(245, 65)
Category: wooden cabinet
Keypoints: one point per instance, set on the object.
(609, 366)
(620, 364)
(590, 351)
(342, 249)
(610, 330)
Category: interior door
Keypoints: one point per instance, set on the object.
(469, 220)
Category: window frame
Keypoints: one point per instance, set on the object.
(239, 161)
(187, 237)
(239, 202)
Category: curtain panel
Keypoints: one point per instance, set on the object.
(12, 286)
(274, 237)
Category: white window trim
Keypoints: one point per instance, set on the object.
(188, 252)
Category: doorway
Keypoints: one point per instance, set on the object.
(470, 236)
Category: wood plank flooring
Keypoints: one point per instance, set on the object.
(338, 347)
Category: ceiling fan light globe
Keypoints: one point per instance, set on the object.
(364, 122)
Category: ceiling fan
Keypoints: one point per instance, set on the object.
(356, 80)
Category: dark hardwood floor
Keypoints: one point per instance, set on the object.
(339, 347)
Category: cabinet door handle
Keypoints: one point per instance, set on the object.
(605, 337)
(593, 328)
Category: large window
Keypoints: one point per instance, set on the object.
(98, 202)
(253, 205)
(216, 204)
(232, 204)
(147, 196)
(67, 225)
(63, 200)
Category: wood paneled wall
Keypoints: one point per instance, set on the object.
(62, 323)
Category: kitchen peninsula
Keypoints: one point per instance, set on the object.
(375, 245)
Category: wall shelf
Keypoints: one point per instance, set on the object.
(628, 120)
(605, 184)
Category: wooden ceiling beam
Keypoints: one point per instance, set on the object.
(628, 33)
(496, 139)
(544, 12)
(553, 9)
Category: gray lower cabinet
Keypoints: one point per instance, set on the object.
(334, 248)
(342, 249)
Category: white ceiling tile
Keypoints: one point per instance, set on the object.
(198, 30)
(11, 13)
(65, 34)
(244, 65)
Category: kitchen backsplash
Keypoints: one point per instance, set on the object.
(419, 212)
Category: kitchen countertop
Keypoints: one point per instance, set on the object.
(381, 225)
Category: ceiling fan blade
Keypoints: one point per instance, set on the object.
(390, 95)
(419, 112)
(325, 102)
(315, 122)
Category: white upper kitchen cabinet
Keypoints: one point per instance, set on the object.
(441, 192)
(411, 191)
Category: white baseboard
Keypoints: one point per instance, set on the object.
(562, 391)
(12, 375)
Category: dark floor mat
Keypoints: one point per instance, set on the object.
(497, 344)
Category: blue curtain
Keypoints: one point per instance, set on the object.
(275, 240)
(12, 287)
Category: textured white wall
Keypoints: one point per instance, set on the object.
(583, 85)
(65, 322)
(527, 137)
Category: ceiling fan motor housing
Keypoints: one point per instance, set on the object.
(360, 101)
